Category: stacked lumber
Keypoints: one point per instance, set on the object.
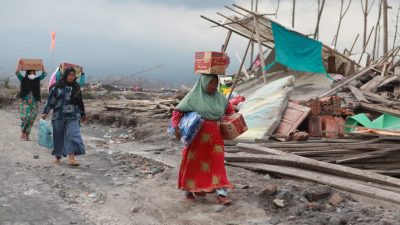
(366, 183)
(380, 154)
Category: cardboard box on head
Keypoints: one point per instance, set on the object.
(31, 64)
(210, 62)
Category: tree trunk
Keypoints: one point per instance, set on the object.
(277, 8)
(385, 27)
(397, 23)
(342, 14)
(377, 31)
(293, 10)
(320, 9)
(365, 12)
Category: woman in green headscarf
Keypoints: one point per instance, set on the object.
(202, 168)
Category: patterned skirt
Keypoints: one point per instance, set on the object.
(28, 109)
(202, 168)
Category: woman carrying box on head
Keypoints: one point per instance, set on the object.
(65, 99)
(202, 168)
(29, 98)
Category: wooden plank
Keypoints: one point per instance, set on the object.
(348, 80)
(256, 149)
(302, 162)
(293, 116)
(367, 155)
(381, 109)
(358, 94)
(388, 80)
(372, 85)
(331, 180)
(395, 172)
(308, 145)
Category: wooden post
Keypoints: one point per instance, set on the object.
(261, 53)
(365, 45)
(241, 64)
(353, 44)
(228, 37)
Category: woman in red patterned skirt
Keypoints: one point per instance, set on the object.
(202, 168)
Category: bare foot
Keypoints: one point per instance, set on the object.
(56, 162)
(27, 137)
(23, 136)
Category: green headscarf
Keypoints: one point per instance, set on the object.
(209, 106)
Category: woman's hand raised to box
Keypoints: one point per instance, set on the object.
(43, 69)
(18, 68)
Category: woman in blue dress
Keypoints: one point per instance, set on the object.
(65, 99)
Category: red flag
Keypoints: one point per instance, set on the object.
(53, 40)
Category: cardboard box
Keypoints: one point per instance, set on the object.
(232, 126)
(78, 69)
(210, 62)
(31, 64)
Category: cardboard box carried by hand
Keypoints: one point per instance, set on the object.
(232, 126)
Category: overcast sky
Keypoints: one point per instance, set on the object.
(121, 37)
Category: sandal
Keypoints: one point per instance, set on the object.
(199, 194)
(223, 200)
(190, 197)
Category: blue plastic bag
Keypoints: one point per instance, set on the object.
(45, 134)
(189, 126)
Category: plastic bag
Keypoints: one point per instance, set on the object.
(189, 126)
(45, 134)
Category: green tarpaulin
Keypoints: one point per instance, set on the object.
(296, 51)
(384, 122)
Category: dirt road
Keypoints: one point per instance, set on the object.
(110, 187)
(135, 183)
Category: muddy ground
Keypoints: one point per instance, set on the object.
(121, 181)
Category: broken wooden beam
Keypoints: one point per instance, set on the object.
(358, 94)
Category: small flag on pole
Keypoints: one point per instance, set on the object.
(53, 40)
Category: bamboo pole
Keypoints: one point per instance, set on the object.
(261, 53)
(241, 65)
(234, 31)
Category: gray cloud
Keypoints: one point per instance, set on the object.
(120, 37)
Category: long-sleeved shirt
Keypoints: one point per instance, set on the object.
(177, 115)
(60, 101)
(20, 77)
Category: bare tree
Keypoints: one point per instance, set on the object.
(397, 23)
(277, 8)
(366, 10)
(342, 14)
(293, 10)
(385, 27)
(377, 30)
(320, 9)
